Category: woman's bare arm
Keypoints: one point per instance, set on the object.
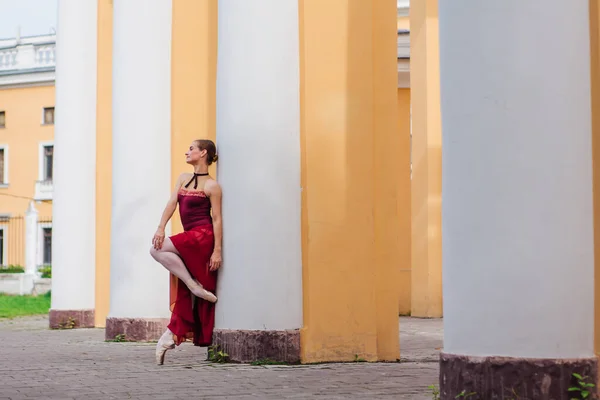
(213, 190)
(170, 208)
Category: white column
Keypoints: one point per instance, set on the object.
(74, 198)
(31, 239)
(518, 256)
(258, 135)
(139, 286)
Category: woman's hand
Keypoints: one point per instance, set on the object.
(158, 239)
(215, 260)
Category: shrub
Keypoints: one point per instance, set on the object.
(11, 269)
(46, 271)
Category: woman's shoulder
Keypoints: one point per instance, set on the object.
(212, 186)
(185, 176)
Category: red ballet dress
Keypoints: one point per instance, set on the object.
(194, 318)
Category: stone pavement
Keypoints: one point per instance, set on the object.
(36, 363)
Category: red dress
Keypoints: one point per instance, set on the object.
(194, 319)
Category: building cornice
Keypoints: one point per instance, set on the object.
(35, 40)
(27, 79)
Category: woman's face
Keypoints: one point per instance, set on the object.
(194, 154)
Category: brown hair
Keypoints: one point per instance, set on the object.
(211, 149)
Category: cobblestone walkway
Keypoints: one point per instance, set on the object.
(36, 363)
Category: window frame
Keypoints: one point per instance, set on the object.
(4, 258)
(41, 160)
(6, 181)
(40, 254)
(44, 115)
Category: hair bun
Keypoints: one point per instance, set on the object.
(215, 158)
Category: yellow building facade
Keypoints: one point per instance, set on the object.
(27, 99)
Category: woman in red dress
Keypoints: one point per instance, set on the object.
(193, 256)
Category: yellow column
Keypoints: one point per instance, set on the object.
(193, 86)
(404, 199)
(391, 169)
(193, 80)
(103, 160)
(426, 161)
(349, 141)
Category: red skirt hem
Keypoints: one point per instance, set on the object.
(193, 318)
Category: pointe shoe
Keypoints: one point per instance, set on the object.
(202, 293)
(165, 343)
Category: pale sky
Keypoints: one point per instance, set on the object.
(36, 17)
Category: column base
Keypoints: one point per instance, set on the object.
(71, 319)
(136, 329)
(520, 378)
(247, 346)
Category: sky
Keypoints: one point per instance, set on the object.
(36, 17)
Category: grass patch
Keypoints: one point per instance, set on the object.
(20, 306)
(119, 338)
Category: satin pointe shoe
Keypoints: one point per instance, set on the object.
(165, 343)
(198, 291)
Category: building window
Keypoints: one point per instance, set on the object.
(48, 117)
(2, 242)
(44, 185)
(3, 165)
(1, 246)
(47, 246)
(2, 119)
(48, 159)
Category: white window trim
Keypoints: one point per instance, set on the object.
(6, 180)
(43, 112)
(40, 249)
(41, 159)
(4, 229)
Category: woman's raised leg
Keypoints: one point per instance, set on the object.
(169, 257)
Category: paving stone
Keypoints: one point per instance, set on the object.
(38, 363)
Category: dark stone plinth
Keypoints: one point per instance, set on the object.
(71, 319)
(247, 346)
(136, 329)
(513, 378)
